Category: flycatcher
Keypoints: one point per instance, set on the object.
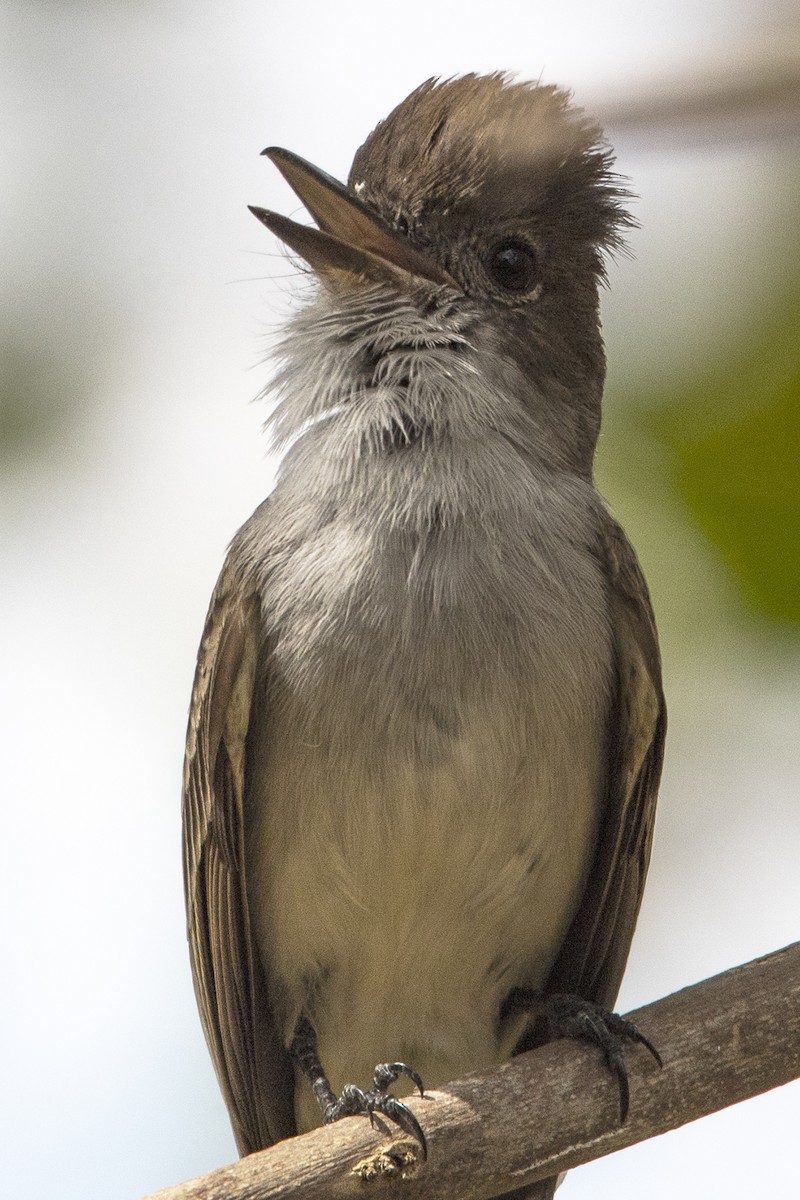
(427, 724)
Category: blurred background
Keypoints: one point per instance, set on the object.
(139, 298)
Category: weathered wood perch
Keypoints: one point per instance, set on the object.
(722, 1041)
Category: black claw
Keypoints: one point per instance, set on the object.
(398, 1112)
(627, 1031)
(354, 1102)
(388, 1073)
(616, 1065)
(569, 1016)
(649, 1046)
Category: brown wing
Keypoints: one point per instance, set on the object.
(592, 960)
(252, 1066)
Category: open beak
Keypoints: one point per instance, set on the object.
(352, 242)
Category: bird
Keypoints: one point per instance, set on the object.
(427, 724)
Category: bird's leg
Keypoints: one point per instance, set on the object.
(565, 1015)
(354, 1101)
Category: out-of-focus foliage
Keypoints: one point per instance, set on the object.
(733, 437)
(700, 459)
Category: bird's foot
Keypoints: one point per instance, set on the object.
(355, 1101)
(570, 1016)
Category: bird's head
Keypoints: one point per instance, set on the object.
(486, 196)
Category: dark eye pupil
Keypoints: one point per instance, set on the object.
(512, 265)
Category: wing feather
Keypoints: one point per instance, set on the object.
(592, 960)
(252, 1066)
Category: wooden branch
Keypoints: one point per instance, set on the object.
(722, 1041)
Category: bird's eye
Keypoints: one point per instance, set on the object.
(512, 266)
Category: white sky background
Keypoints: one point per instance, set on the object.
(144, 293)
